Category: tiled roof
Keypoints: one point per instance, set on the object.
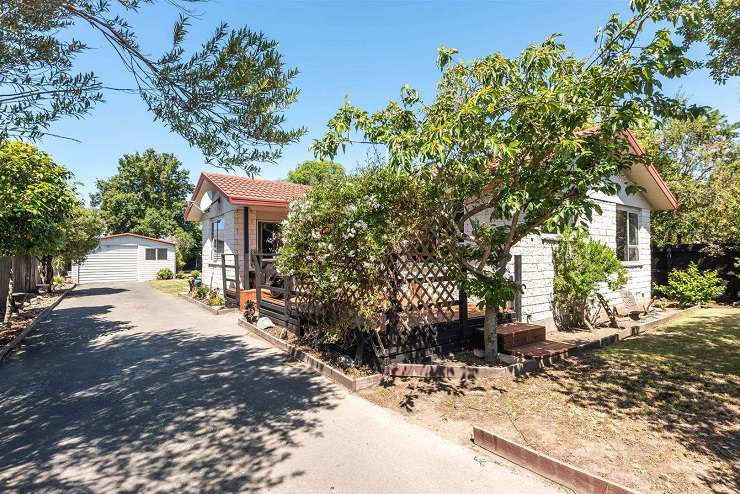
(247, 191)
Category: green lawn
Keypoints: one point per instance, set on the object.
(173, 287)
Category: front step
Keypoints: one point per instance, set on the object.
(541, 349)
(514, 334)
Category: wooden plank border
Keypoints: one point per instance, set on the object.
(551, 468)
(36, 320)
(350, 383)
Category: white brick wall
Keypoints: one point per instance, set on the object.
(537, 267)
(233, 237)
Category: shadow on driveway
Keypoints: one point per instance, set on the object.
(153, 411)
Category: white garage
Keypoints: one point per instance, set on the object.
(125, 257)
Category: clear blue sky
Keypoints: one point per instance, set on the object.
(361, 49)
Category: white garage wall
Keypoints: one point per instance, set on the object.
(123, 258)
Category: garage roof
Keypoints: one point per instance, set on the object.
(116, 235)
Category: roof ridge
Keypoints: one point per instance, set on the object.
(270, 180)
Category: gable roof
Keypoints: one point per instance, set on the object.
(116, 235)
(656, 190)
(245, 191)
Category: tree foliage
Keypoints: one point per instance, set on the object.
(36, 202)
(37, 199)
(148, 196)
(581, 266)
(81, 235)
(338, 239)
(713, 22)
(700, 161)
(515, 145)
(315, 172)
(227, 98)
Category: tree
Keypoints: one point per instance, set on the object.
(148, 196)
(513, 146)
(713, 22)
(227, 98)
(36, 199)
(81, 235)
(700, 161)
(314, 172)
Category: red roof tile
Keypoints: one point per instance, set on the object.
(252, 191)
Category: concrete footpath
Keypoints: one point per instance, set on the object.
(126, 388)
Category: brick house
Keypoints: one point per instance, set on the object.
(240, 214)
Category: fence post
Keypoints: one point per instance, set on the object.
(463, 314)
(237, 274)
(223, 275)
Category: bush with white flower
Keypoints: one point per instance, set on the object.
(338, 239)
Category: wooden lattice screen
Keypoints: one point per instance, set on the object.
(426, 309)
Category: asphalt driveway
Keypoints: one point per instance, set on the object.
(127, 389)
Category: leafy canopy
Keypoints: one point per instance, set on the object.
(148, 196)
(226, 98)
(314, 172)
(37, 200)
(338, 240)
(515, 145)
(700, 161)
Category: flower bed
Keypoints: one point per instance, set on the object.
(213, 309)
(353, 379)
(30, 315)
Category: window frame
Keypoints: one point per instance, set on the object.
(260, 236)
(629, 221)
(147, 251)
(161, 250)
(216, 240)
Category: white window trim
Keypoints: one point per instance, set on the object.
(637, 211)
(215, 255)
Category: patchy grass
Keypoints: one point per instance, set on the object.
(173, 287)
(659, 413)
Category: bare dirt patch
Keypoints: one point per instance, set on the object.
(658, 413)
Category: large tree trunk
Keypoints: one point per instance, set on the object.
(9, 299)
(490, 339)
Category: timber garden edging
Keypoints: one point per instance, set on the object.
(525, 366)
(551, 468)
(36, 320)
(350, 383)
(218, 310)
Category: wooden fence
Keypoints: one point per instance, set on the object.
(25, 276)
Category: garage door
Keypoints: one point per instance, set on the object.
(111, 262)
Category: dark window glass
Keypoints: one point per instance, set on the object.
(217, 237)
(161, 254)
(151, 255)
(268, 237)
(628, 227)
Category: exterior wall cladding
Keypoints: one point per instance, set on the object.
(537, 266)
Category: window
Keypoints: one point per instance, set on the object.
(217, 238)
(268, 237)
(150, 255)
(161, 254)
(627, 228)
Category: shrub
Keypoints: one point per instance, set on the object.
(195, 274)
(201, 292)
(165, 274)
(58, 280)
(581, 265)
(692, 285)
(337, 238)
(215, 299)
